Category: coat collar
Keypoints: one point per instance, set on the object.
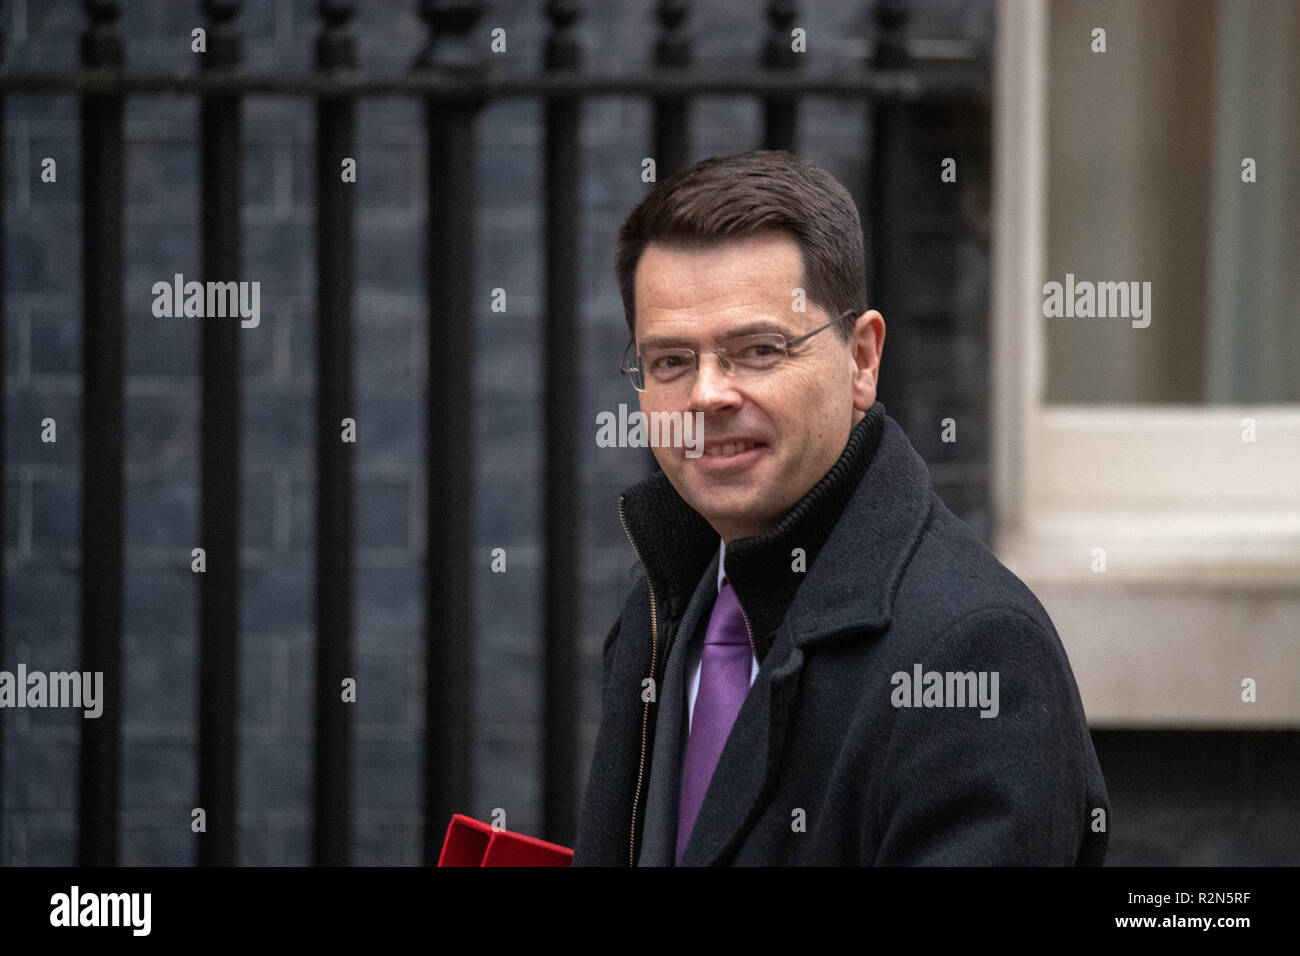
(850, 588)
(853, 584)
(863, 514)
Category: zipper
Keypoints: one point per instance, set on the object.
(748, 630)
(645, 715)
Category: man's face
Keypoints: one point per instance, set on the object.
(768, 436)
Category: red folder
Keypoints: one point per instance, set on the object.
(471, 842)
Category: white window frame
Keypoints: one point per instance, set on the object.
(1171, 492)
(1200, 596)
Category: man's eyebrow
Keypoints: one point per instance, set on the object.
(749, 328)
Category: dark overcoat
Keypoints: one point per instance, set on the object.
(834, 758)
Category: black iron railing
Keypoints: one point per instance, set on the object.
(453, 78)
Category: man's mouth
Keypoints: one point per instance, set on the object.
(726, 449)
(731, 456)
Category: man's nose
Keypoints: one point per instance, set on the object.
(713, 387)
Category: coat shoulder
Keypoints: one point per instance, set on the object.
(952, 575)
(1026, 785)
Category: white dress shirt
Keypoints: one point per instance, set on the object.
(693, 652)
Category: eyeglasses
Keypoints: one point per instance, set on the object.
(742, 354)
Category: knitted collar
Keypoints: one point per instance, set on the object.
(676, 545)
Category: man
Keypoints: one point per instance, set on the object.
(821, 664)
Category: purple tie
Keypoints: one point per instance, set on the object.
(725, 666)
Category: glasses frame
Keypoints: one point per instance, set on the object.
(635, 371)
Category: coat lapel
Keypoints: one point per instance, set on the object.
(659, 839)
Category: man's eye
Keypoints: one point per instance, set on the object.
(667, 362)
(758, 350)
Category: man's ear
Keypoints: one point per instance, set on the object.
(866, 341)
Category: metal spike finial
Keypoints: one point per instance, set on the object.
(336, 46)
(562, 49)
(102, 44)
(777, 50)
(673, 48)
(450, 24)
(891, 34)
(221, 11)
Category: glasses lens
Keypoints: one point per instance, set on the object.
(665, 366)
(759, 352)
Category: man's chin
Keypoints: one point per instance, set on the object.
(740, 514)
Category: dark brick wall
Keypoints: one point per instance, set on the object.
(946, 370)
(162, 216)
(1202, 798)
(935, 366)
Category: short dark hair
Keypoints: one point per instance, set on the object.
(731, 197)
